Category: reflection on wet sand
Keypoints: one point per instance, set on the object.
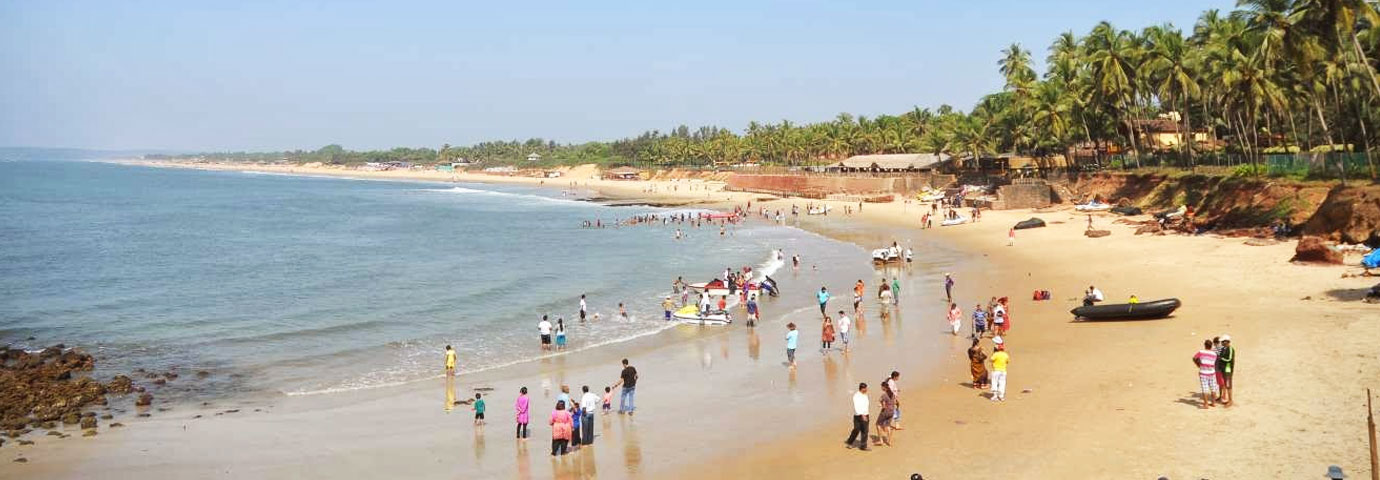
(450, 393)
(524, 461)
(479, 444)
(831, 370)
(632, 447)
(754, 344)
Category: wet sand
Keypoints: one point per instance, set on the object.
(1106, 399)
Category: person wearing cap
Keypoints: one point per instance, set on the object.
(666, 305)
(998, 375)
(1226, 361)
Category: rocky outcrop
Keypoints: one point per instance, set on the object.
(46, 386)
(1316, 250)
(145, 399)
(1096, 233)
(1349, 215)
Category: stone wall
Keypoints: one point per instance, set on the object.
(817, 186)
(1032, 195)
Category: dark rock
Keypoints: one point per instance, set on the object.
(89, 433)
(48, 425)
(26, 442)
(1316, 250)
(116, 425)
(54, 433)
(120, 385)
(160, 382)
(170, 375)
(145, 399)
(90, 422)
(107, 416)
(21, 460)
(71, 418)
(143, 415)
(1096, 233)
(202, 374)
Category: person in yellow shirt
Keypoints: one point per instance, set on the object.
(450, 361)
(999, 361)
(1134, 299)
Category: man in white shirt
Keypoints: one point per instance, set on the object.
(545, 329)
(860, 406)
(583, 307)
(588, 402)
(845, 328)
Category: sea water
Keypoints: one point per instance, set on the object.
(299, 285)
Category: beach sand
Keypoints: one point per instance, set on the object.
(1105, 399)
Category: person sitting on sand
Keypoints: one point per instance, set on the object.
(977, 365)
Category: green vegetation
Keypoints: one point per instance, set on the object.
(1272, 75)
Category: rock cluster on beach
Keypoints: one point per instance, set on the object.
(41, 389)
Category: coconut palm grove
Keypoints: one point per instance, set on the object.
(1270, 77)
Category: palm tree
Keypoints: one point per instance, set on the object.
(1173, 77)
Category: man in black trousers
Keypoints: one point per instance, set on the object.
(860, 406)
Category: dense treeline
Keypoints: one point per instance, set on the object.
(1272, 75)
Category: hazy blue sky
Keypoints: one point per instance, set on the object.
(275, 75)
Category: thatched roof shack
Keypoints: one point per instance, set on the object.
(623, 173)
(895, 162)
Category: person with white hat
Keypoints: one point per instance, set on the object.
(999, 361)
(1226, 362)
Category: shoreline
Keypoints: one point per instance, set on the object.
(1106, 398)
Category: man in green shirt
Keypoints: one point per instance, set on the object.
(1226, 362)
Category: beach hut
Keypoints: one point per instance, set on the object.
(534, 157)
(623, 173)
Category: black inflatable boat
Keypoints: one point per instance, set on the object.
(1128, 311)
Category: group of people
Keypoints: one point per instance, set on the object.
(888, 413)
(1215, 364)
(572, 417)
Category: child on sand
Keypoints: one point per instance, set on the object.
(522, 406)
(478, 409)
(608, 399)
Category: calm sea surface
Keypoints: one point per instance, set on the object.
(299, 285)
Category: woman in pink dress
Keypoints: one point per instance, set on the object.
(523, 417)
(561, 426)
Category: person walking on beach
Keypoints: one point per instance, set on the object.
(977, 364)
(627, 379)
(792, 338)
(560, 334)
(979, 321)
(823, 297)
(999, 361)
(896, 288)
(752, 310)
(955, 318)
(544, 328)
(949, 287)
(1011, 237)
(892, 384)
(885, 296)
(450, 361)
(886, 418)
(607, 401)
(1206, 361)
(844, 327)
(1226, 361)
(561, 426)
(588, 403)
(522, 406)
(583, 307)
(860, 409)
(826, 337)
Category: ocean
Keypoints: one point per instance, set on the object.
(293, 285)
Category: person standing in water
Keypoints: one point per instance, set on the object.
(450, 361)
(544, 328)
(560, 334)
(792, 337)
(668, 305)
(896, 288)
(823, 297)
(583, 307)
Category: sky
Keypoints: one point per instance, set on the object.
(274, 75)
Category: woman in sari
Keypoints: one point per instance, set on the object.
(976, 357)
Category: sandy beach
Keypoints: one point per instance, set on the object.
(1086, 399)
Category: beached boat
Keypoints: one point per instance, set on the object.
(1128, 311)
(819, 210)
(883, 256)
(930, 196)
(715, 288)
(691, 314)
(1093, 206)
(960, 220)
